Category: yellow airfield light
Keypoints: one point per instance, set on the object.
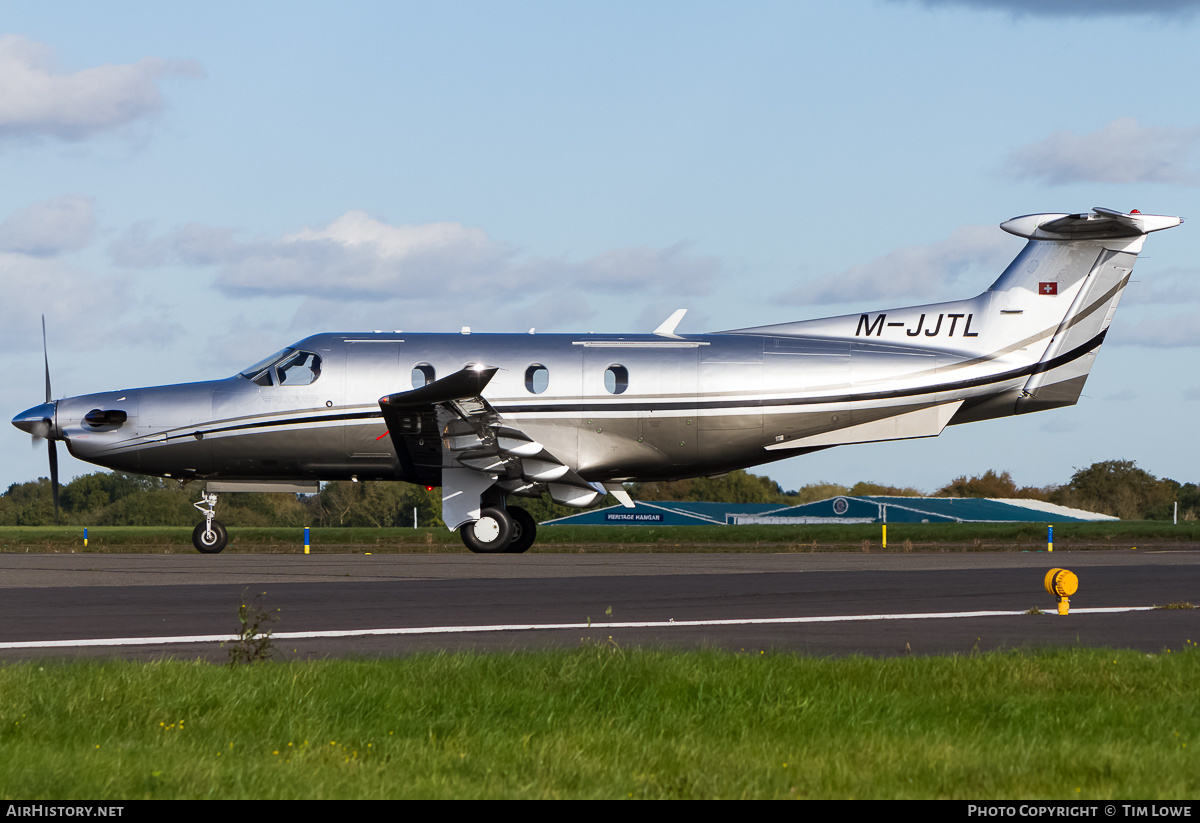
(1062, 584)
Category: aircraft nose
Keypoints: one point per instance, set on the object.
(38, 421)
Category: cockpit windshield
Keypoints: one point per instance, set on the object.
(290, 367)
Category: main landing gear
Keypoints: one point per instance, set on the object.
(500, 530)
(209, 537)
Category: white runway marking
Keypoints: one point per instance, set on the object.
(521, 627)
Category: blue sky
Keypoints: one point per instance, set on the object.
(185, 190)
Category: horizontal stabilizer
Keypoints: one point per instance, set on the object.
(1100, 224)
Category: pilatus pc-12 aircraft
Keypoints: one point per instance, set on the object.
(491, 418)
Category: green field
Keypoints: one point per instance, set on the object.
(606, 722)
(919, 537)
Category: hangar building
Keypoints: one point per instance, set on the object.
(673, 513)
(881, 509)
(835, 510)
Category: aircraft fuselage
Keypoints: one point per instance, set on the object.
(671, 408)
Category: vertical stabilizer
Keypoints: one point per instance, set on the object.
(1087, 256)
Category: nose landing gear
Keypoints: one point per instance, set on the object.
(209, 537)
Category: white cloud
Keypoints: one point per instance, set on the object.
(80, 307)
(1119, 152)
(971, 257)
(1060, 425)
(1078, 8)
(37, 100)
(415, 276)
(1174, 285)
(357, 258)
(1158, 332)
(49, 227)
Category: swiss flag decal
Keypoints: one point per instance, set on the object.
(1048, 288)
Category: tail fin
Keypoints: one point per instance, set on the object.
(1087, 257)
(1025, 344)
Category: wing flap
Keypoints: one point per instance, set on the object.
(447, 434)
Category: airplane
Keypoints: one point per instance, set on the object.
(491, 418)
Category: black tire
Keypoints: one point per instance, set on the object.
(490, 534)
(207, 542)
(524, 530)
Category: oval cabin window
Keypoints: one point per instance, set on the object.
(422, 375)
(537, 378)
(616, 379)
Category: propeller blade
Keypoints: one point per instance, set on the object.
(54, 476)
(46, 427)
(46, 358)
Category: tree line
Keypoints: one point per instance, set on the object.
(1114, 487)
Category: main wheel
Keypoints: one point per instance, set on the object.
(524, 530)
(490, 534)
(209, 541)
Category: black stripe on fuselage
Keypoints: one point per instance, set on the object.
(1026, 371)
(189, 431)
(598, 408)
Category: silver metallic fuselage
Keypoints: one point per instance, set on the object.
(707, 404)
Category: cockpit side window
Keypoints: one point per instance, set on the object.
(290, 367)
(260, 372)
(300, 369)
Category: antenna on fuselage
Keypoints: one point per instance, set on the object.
(667, 327)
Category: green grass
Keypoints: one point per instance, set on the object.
(605, 722)
(921, 536)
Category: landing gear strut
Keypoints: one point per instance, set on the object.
(210, 536)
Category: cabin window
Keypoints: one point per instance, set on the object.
(422, 375)
(616, 379)
(537, 378)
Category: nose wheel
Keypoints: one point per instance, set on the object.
(209, 537)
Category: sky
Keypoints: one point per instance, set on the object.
(186, 189)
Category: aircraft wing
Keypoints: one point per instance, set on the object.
(447, 434)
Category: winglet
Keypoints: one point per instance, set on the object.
(469, 382)
(667, 328)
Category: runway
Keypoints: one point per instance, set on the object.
(821, 604)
